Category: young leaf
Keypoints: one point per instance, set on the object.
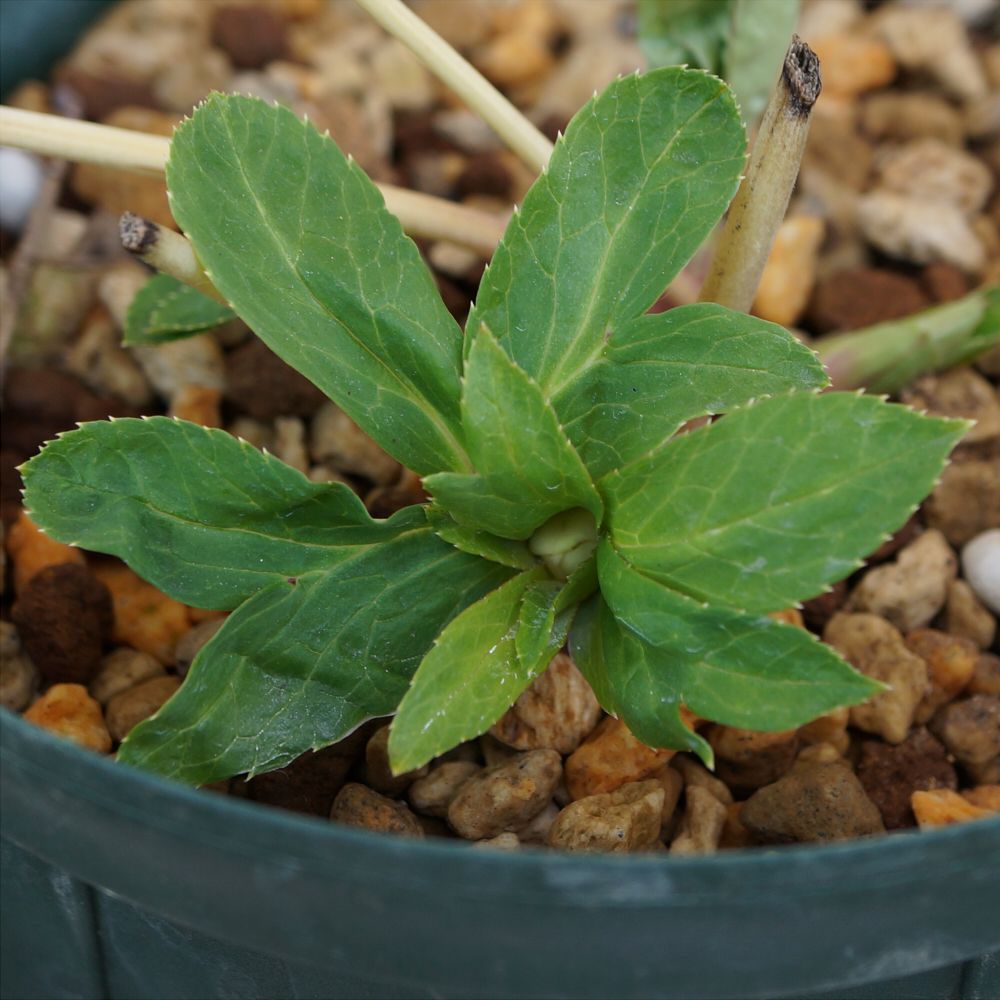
(298, 239)
(628, 681)
(642, 175)
(299, 666)
(547, 612)
(768, 505)
(206, 518)
(505, 551)
(660, 370)
(470, 677)
(527, 469)
(166, 309)
(734, 668)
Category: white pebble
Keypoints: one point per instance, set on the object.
(981, 566)
(20, 181)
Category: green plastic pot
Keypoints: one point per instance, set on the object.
(117, 884)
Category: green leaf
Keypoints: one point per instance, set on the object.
(642, 175)
(298, 667)
(759, 35)
(676, 32)
(166, 309)
(660, 370)
(743, 41)
(629, 681)
(773, 502)
(889, 356)
(298, 239)
(206, 518)
(731, 667)
(547, 612)
(527, 471)
(471, 676)
(505, 551)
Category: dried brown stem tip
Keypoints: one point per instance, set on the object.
(762, 199)
(800, 73)
(165, 250)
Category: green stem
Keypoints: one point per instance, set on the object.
(888, 356)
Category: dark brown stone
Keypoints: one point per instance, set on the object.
(970, 728)
(357, 805)
(484, 173)
(862, 296)
(100, 95)
(891, 774)
(63, 617)
(251, 35)
(262, 385)
(456, 299)
(817, 611)
(816, 802)
(944, 282)
(308, 785)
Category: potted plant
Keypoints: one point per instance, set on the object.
(317, 908)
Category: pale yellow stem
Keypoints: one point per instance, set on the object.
(762, 199)
(422, 215)
(467, 82)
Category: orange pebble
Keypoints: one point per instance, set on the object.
(198, 403)
(853, 64)
(611, 757)
(68, 711)
(31, 550)
(984, 796)
(942, 807)
(790, 616)
(145, 618)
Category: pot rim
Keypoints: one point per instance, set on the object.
(290, 839)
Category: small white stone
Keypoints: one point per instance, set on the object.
(981, 567)
(21, 178)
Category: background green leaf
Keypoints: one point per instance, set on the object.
(206, 518)
(298, 239)
(734, 668)
(658, 371)
(298, 667)
(743, 41)
(470, 677)
(166, 309)
(642, 175)
(527, 469)
(772, 502)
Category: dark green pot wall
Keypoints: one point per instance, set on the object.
(310, 909)
(34, 33)
(116, 884)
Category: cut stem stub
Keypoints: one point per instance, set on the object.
(762, 199)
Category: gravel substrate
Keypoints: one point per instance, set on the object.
(897, 208)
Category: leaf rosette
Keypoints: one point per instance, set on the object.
(571, 501)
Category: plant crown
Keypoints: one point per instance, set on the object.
(565, 507)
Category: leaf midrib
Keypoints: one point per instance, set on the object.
(410, 390)
(551, 387)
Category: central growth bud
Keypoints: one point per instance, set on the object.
(565, 542)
